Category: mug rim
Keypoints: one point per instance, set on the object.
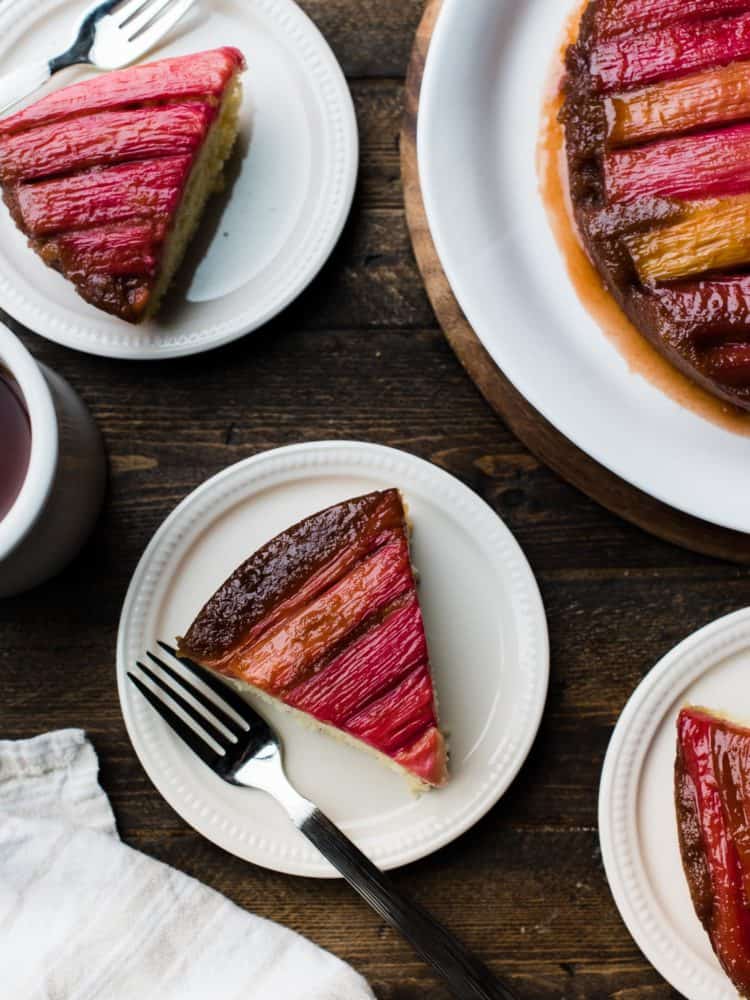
(40, 474)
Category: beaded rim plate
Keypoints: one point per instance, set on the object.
(485, 625)
(637, 823)
(290, 184)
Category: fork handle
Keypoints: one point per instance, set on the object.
(467, 977)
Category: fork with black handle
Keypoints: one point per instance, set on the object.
(111, 34)
(243, 749)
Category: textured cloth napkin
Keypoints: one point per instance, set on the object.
(83, 917)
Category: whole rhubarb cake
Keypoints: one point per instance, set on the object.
(657, 124)
(712, 795)
(325, 619)
(108, 178)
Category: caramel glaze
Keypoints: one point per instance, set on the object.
(612, 310)
(274, 580)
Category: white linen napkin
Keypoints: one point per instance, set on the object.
(84, 917)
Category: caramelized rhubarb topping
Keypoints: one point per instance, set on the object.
(712, 164)
(713, 236)
(104, 138)
(375, 662)
(130, 249)
(201, 76)
(710, 310)
(715, 97)
(730, 364)
(325, 617)
(145, 189)
(627, 61)
(657, 132)
(285, 654)
(711, 792)
(615, 17)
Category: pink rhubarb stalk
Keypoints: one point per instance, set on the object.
(666, 53)
(202, 76)
(370, 665)
(106, 138)
(615, 17)
(144, 189)
(711, 164)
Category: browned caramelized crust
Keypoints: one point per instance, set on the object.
(336, 538)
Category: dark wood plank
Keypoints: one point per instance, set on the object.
(360, 355)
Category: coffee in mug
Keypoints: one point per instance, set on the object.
(15, 441)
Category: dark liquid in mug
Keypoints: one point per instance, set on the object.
(15, 442)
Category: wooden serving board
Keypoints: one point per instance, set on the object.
(539, 436)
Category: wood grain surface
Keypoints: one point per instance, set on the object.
(544, 440)
(361, 355)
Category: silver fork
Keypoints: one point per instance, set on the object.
(242, 749)
(111, 34)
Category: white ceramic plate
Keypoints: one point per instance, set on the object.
(480, 114)
(637, 823)
(485, 626)
(262, 241)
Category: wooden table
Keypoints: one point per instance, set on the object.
(361, 356)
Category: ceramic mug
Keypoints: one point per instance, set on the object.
(61, 496)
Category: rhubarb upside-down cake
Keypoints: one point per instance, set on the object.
(108, 178)
(325, 619)
(712, 794)
(657, 122)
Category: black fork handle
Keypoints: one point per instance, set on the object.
(467, 977)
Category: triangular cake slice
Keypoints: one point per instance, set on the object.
(712, 794)
(108, 178)
(325, 618)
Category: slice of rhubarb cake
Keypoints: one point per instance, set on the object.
(712, 796)
(108, 178)
(325, 618)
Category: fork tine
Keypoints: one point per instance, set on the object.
(230, 696)
(125, 12)
(188, 735)
(210, 706)
(147, 28)
(203, 721)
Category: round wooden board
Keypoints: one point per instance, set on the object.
(539, 436)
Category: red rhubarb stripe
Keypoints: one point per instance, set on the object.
(283, 656)
(144, 189)
(203, 75)
(728, 918)
(730, 365)
(115, 250)
(615, 17)
(426, 758)
(109, 138)
(400, 717)
(693, 167)
(714, 309)
(677, 50)
(370, 665)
